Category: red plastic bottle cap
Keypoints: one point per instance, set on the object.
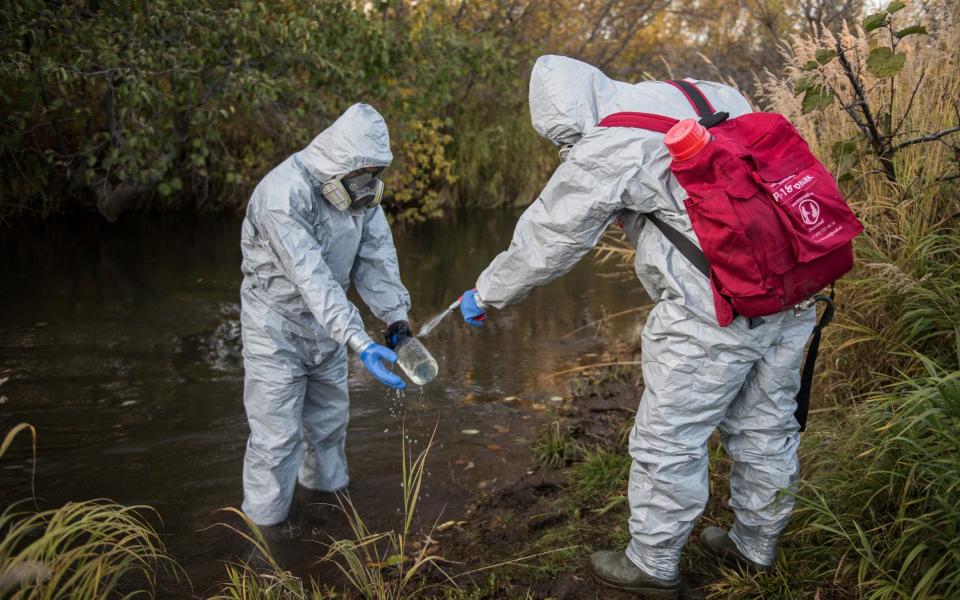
(686, 138)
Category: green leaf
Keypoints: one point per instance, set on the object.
(875, 21)
(843, 149)
(883, 63)
(394, 560)
(811, 65)
(825, 55)
(804, 83)
(895, 6)
(164, 189)
(817, 97)
(911, 30)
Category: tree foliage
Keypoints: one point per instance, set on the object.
(177, 104)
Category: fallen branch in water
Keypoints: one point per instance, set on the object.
(594, 366)
(608, 317)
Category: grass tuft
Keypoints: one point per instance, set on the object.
(600, 478)
(93, 549)
(555, 448)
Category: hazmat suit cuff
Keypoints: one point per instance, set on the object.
(358, 341)
(662, 563)
(759, 547)
(396, 315)
(483, 296)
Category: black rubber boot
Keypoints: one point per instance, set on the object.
(315, 508)
(279, 541)
(614, 569)
(717, 543)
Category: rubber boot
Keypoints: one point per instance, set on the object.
(614, 569)
(717, 543)
(280, 541)
(316, 509)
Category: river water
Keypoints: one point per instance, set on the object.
(121, 345)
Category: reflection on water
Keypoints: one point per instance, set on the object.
(121, 344)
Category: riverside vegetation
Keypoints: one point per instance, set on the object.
(878, 513)
(184, 105)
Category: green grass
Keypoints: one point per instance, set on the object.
(95, 549)
(376, 566)
(601, 476)
(555, 447)
(878, 515)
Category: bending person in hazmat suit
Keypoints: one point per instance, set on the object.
(313, 226)
(698, 376)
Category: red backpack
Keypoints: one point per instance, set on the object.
(773, 226)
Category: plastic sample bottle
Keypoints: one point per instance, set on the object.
(686, 139)
(416, 361)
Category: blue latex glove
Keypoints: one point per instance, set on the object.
(473, 313)
(373, 357)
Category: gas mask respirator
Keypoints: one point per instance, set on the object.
(355, 192)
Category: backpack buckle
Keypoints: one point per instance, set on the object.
(714, 119)
(802, 306)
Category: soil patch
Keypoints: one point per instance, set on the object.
(546, 523)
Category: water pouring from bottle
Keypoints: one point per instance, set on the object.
(437, 319)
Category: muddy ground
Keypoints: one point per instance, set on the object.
(569, 503)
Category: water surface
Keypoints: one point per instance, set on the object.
(121, 344)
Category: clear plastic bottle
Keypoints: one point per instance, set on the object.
(416, 361)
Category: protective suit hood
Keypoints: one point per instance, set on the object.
(356, 140)
(567, 97)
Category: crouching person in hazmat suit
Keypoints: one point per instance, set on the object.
(698, 376)
(313, 227)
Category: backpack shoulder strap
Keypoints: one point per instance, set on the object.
(661, 124)
(707, 113)
(694, 96)
(806, 379)
(685, 245)
(639, 120)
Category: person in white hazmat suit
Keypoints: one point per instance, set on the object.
(313, 226)
(698, 376)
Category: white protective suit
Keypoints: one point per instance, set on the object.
(300, 255)
(698, 375)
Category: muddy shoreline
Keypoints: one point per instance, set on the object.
(569, 502)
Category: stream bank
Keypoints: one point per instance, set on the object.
(571, 500)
